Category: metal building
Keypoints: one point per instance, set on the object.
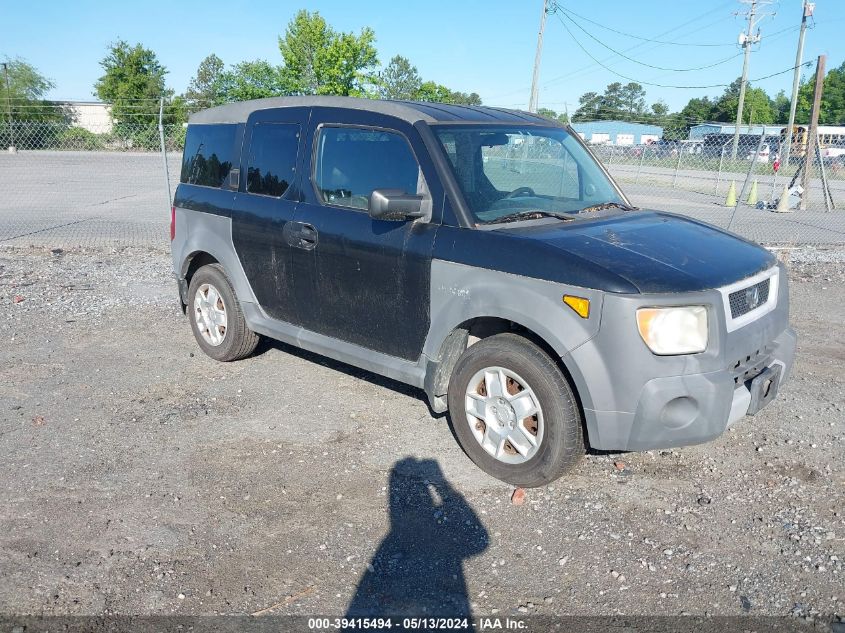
(698, 132)
(618, 132)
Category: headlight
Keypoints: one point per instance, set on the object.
(680, 330)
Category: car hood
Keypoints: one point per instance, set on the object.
(656, 252)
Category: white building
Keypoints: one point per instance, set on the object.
(93, 116)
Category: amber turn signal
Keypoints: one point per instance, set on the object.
(579, 304)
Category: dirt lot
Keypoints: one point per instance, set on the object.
(141, 477)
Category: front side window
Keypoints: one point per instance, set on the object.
(272, 158)
(207, 158)
(504, 171)
(351, 163)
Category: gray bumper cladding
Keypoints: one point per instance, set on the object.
(683, 410)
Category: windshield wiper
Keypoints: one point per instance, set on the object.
(608, 205)
(531, 215)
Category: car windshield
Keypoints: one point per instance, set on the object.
(511, 173)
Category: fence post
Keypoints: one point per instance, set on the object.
(164, 149)
(612, 150)
(753, 165)
(828, 199)
(677, 165)
(640, 165)
(13, 149)
(719, 173)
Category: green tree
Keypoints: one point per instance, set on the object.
(675, 127)
(659, 110)
(612, 101)
(757, 107)
(319, 60)
(633, 102)
(780, 107)
(250, 80)
(204, 89)
(589, 107)
(832, 110)
(698, 109)
(27, 88)
(133, 83)
(618, 102)
(554, 116)
(464, 98)
(399, 79)
(432, 91)
(36, 123)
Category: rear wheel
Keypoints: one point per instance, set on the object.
(216, 317)
(514, 413)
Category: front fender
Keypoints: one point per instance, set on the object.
(460, 293)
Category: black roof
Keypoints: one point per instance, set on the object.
(411, 111)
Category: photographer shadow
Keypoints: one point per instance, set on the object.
(417, 570)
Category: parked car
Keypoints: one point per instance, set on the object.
(762, 154)
(528, 298)
(665, 148)
(696, 148)
(834, 155)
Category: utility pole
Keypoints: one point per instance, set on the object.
(747, 40)
(535, 88)
(812, 135)
(12, 148)
(806, 11)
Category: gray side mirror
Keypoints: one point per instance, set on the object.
(395, 204)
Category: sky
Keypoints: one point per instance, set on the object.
(486, 46)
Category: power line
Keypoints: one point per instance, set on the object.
(636, 37)
(635, 46)
(648, 83)
(589, 67)
(631, 59)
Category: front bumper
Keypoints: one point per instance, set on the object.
(684, 410)
(634, 400)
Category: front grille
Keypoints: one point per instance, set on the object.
(745, 300)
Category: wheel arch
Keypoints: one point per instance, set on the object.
(479, 327)
(210, 236)
(194, 261)
(188, 267)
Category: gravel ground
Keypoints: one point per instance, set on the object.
(140, 477)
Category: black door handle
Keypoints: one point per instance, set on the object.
(301, 235)
(308, 233)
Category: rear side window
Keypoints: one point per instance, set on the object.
(352, 162)
(207, 159)
(272, 158)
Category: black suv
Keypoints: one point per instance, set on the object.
(485, 256)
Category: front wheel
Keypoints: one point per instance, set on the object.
(514, 412)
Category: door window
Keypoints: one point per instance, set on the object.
(351, 163)
(272, 158)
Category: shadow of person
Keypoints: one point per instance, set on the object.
(417, 569)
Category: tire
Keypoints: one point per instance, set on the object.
(224, 338)
(508, 362)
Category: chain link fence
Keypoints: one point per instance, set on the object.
(69, 185)
(757, 194)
